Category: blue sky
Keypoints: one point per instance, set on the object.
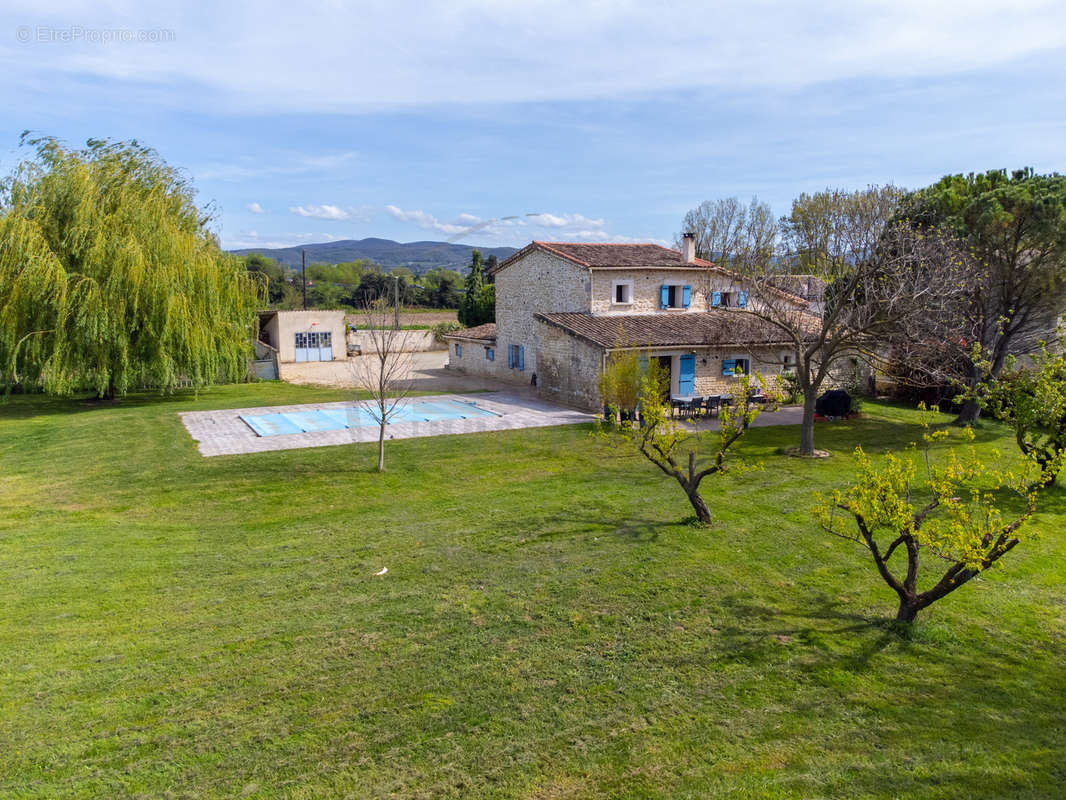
(326, 120)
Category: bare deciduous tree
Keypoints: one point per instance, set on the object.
(877, 277)
(729, 233)
(385, 371)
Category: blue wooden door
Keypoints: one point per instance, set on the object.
(686, 376)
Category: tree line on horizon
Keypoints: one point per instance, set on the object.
(353, 284)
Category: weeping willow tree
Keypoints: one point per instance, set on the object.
(110, 278)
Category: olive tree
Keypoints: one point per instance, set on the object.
(110, 278)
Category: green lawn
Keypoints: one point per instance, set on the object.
(175, 626)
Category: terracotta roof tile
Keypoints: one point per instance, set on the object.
(592, 254)
(668, 330)
(481, 333)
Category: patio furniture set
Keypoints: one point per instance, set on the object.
(705, 405)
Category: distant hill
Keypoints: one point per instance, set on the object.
(419, 257)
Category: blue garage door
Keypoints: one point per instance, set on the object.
(314, 346)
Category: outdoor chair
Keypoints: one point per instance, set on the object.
(710, 404)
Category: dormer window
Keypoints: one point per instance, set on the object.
(621, 292)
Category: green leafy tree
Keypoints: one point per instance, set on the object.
(959, 519)
(270, 275)
(1014, 227)
(110, 278)
(621, 380)
(680, 451)
(1032, 401)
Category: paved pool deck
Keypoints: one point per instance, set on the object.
(221, 433)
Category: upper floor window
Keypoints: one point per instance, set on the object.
(622, 292)
(672, 295)
(729, 299)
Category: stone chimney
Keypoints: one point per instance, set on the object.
(688, 247)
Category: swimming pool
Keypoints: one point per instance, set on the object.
(335, 419)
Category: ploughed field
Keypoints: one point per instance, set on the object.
(549, 625)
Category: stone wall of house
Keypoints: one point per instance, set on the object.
(568, 368)
(538, 283)
(646, 287)
(766, 361)
(474, 359)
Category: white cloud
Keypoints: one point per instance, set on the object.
(277, 165)
(255, 208)
(250, 239)
(333, 57)
(518, 229)
(428, 222)
(322, 212)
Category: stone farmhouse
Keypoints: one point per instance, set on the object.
(562, 308)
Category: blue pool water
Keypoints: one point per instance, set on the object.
(335, 419)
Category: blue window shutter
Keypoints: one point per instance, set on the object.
(458, 351)
(521, 357)
(490, 354)
(686, 377)
(510, 357)
(686, 296)
(742, 299)
(729, 366)
(716, 299)
(664, 296)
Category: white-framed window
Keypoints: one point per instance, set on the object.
(729, 299)
(621, 292)
(675, 295)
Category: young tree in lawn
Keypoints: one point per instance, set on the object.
(964, 522)
(1014, 227)
(110, 278)
(1032, 401)
(677, 449)
(878, 277)
(385, 370)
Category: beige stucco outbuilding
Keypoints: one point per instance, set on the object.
(312, 335)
